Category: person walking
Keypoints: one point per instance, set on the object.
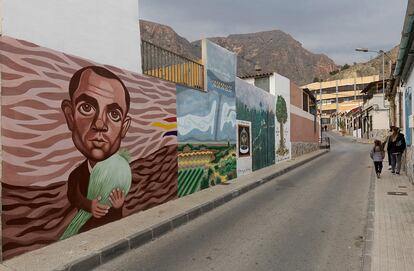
(396, 146)
(386, 144)
(377, 155)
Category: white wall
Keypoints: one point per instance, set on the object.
(380, 120)
(249, 80)
(104, 31)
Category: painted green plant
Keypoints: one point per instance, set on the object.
(282, 117)
(112, 173)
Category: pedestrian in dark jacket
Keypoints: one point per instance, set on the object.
(397, 147)
(377, 155)
(386, 146)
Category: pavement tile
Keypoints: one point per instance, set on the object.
(393, 224)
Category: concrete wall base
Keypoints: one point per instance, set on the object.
(301, 148)
(408, 163)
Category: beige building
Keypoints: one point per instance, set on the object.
(349, 95)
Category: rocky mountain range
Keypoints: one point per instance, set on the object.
(264, 52)
(271, 51)
(372, 67)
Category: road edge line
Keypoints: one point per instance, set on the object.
(367, 248)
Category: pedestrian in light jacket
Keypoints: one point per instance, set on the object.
(377, 155)
(396, 146)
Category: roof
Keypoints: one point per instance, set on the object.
(405, 54)
(354, 110)
(256, 75)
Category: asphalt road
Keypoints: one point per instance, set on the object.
(309, 219)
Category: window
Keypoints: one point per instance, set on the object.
(305, 102)
(263, 83)
(343, 88)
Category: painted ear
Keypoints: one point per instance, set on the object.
(125, 126)
(68, 112)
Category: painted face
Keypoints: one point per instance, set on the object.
(99, 115)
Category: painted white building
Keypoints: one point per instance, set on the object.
(375, 117)
(104, 31)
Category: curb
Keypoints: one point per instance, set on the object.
(141, 238)
(369, 227)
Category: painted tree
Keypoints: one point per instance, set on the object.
(282, 117)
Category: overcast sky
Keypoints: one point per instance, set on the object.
(332, 27)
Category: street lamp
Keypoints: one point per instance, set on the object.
(383, 54)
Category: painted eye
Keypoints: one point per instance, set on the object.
(86, 109)
(115, 116)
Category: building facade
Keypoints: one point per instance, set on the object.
(399, 92)
(339, 96)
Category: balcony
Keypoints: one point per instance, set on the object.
(163, 64)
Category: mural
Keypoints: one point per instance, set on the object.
(207, 125)
(204, 158)
(83, 145)
(244, 147)
(243, 139)
(220, 68)
(258, 107)
(408, 111)
(282, 119)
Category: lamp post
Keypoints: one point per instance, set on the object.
(383, 54)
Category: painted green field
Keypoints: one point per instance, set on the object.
(189, 181)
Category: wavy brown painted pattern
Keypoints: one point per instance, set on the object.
(38, 153)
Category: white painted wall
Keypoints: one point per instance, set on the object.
(380, 120)
(249, 80)
(272, 82)
(104, 31)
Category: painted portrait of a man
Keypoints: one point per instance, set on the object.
(97, 116)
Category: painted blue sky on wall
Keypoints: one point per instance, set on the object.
(221, 68)
(205, 117)
(253, 97)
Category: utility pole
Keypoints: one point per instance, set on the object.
(383, 76)
(355, 88)
(320, 105)
(382, 52)
(337, 105)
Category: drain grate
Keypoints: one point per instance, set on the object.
(397, 193)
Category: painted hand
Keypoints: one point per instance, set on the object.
(117, 198)
(99, 210)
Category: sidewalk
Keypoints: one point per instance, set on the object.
(390, 228)
(90, 249)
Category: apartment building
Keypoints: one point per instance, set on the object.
(345, 92)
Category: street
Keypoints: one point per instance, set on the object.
(309, 219)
